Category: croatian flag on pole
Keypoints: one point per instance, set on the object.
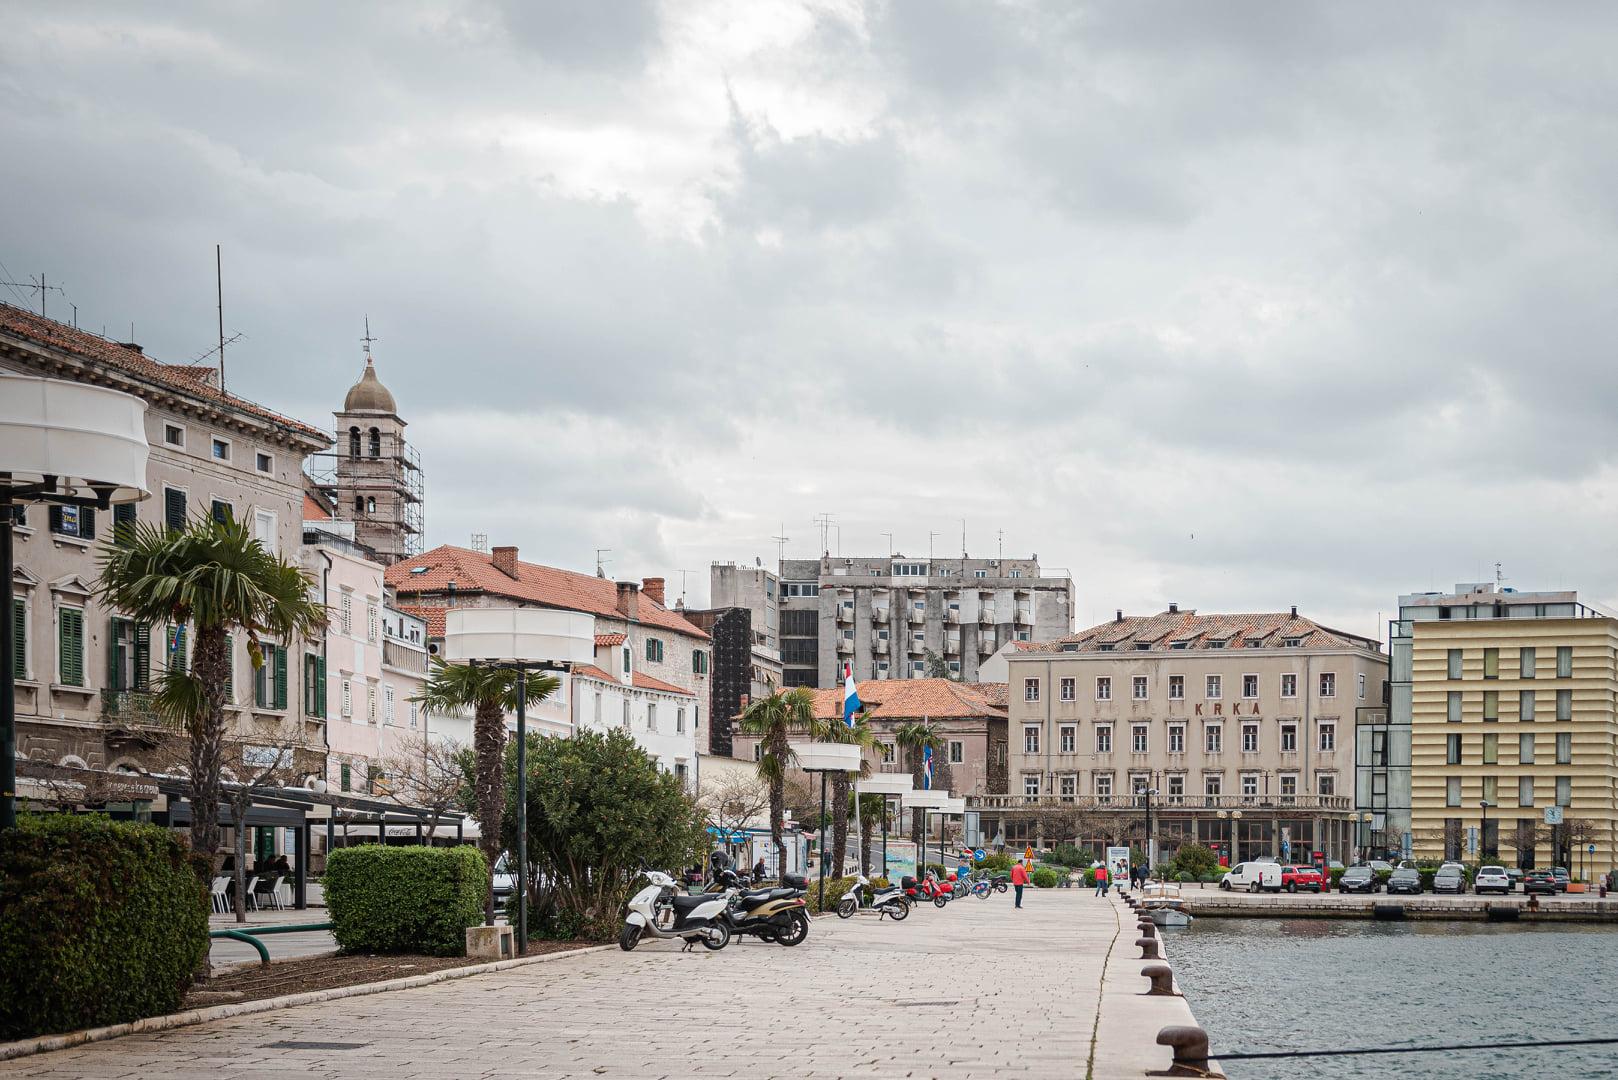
(926, 768)
(851, 695)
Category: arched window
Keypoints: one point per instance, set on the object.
(354, 442)
(376, 443)
(370, 506)
(359, 504)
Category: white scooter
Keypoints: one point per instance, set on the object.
(695, 918)
(890, 901)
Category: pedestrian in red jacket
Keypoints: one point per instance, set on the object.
(1019, 878)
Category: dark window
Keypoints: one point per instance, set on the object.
(353, 451)
(222, 512)
(79, 521)
(376, 443)
(263, 462)
(123, 522)
(800, 624)
(359, 504)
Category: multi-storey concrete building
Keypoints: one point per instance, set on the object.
(1513, 726)
(651, 675)
(884, 616)
(83, 670)
(1239, 726)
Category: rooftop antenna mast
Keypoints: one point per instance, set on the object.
(480, 543)
(824, 522)
(1499, 577)
(601, 564)
(930, 537)
(890, 544)
(40, 287)
(781, 547)
(1000, 542)
(219, 301)
(367, 339)
(963, 538)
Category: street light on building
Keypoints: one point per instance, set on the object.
(1235, 817)
(70, 445)
(523, 640)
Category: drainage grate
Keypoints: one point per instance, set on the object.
(922, 1004)
(294, 1045)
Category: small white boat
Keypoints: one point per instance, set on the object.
(1161, 903)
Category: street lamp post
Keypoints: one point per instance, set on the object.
(68, 444)
(520, 640)
(885, 785)
(1151, 839)
(925, 800)
(824, 758)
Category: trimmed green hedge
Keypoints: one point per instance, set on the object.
(405, 899)
(1043, 877)
(835, 888)
(104, 922)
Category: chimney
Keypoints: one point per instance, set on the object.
(1294, 611)
(1174, 609)
(505, 561)
(1120, 617)
(629, 600)
(653, 588)
(131, 346)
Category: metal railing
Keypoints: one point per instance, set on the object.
(1171, 803)
(133, 708)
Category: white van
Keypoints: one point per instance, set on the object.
(1253, 876)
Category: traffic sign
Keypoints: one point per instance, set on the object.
(1592, 849)
(980, 854)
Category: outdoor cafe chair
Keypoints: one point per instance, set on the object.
(220, 894)
(250, 893)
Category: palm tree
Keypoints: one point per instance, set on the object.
(490, 692)
(216, 578)
(773, 720)
(835, 731)
(914, 738)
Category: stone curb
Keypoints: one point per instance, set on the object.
(47, 1043)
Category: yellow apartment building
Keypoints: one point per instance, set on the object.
(1514, 725)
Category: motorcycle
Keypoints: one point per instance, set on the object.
(890, 901)
(694, 919)
(780, 915)
(928, 888)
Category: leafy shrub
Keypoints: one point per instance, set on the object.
(405, 899)
(1043, 877)
(104, 923)
(1090, 878)
(998, 863)
(937, 868)
(1336, 873)
(1194, 859)
(835, 888)
(1069, 855)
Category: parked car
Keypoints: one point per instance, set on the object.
(1294, 878)
(505, 879)
(1379, 864)
(1490, 879)
(1405, 879)
(1253, 876)
(1358, 879)
(1515, 874)
(1539, 881)
(1562, 877)
(1450, 879)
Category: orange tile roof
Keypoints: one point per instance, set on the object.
(641, 682)
(312, 510)
(189, 379)
(607, 640)
(433, 616)
(1264, 630)
(474, 572)
(886, 699)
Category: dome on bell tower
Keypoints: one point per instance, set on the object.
(369, 395)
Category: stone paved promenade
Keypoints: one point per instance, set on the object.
(975, 990)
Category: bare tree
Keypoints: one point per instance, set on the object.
(1523, 838)
(66, 787)
(735, 801)
(426, 774)
(261, 765)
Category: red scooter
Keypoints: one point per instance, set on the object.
(928, 888)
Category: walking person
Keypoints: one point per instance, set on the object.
(1019, 878)
(1101, 880)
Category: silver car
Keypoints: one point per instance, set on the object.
(1492, 879)
(1450, 879)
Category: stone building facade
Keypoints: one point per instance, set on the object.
(84, 671)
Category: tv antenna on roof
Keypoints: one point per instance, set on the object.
(824, 522)
(480, 543)
(601, 564)
(39, 286)
(781, 547)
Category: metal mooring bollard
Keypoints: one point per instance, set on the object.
(1147, 928)
(1190, 1046)
(1162, 977)
(1148, 948)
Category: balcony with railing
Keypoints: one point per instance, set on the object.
(1188, 802)
(879, 613)
(845, 611)
(986, 614)
(133, 709)
(952, 643)
(845, 644)
(986, 646)
(396, 654)
(880, 646)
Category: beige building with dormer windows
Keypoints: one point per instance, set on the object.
(1242, 726)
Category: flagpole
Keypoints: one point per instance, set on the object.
(859, 820)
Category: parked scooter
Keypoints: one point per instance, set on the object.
(695, 919)
(890, 901)
(780, 915)
(928, 888)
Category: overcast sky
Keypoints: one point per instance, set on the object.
(1236, 305)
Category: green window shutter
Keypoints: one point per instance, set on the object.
(143, 656)
(72, 645)
(174, 509)
(115, 655)
(261, 675)
(123, 523)
(347, 774)
(280, 677)
(87, 523)
(230, 670)
(320, 686)
(176, 648)
(308, 684)
(19, 639)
